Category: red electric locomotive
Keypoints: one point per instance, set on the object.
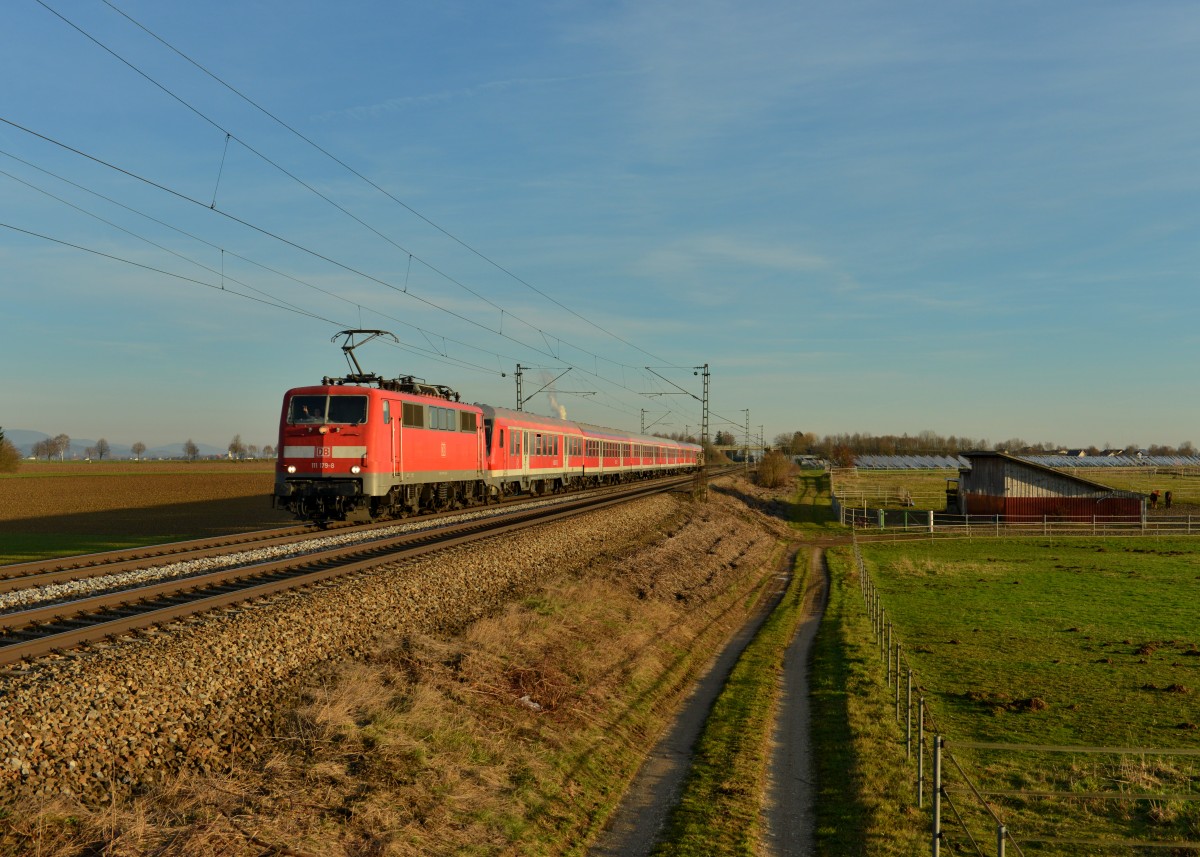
(368, 446)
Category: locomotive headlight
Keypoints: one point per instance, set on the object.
(291, 468)
(356, 469)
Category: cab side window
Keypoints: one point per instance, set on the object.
(414, 415)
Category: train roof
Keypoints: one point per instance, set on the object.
(364, 390)
(554, 423)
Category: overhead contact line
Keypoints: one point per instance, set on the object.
(229, 135)
(380, 189)
(267, 233)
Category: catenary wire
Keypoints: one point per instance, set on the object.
(246, 259)
(184, 197)
(272, 303)
(368, 181)
(549, 351)
(228, 134)
(269, 299)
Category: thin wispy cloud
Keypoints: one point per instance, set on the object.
(480, 90)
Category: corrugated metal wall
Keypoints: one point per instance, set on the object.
(999, 486)
(1054, 508)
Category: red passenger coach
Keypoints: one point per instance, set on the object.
(531, 453)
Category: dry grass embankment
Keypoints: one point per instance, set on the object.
(514, 733)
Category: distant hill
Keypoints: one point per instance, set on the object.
(24, 440)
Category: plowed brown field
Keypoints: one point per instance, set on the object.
(138, 498)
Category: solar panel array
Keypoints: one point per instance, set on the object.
(910, 462)
(1115, 461)
(954, 462)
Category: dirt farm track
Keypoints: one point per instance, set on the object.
(167, 498)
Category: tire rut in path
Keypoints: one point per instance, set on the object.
(634, 828)
(791, 790)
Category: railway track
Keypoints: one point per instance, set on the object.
(31, 633)
(83, 566)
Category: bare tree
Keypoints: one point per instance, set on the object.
(43, 447)
(268, 451)
(102, 448)
(137, 449)
(842, 455)
(62, 445)
(776, 470)
(10, 456)
(252, 449)
(191, 450)
(89, 453)
(237, 449)
(796, 442)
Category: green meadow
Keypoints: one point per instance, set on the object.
(1072, 643)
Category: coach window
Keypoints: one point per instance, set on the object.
(466, 421)
(387, 411)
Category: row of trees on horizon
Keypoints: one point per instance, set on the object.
(931, 443)
(834, 446)
(60, 445)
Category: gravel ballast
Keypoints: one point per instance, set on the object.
(96, 723)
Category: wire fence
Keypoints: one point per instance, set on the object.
(970, 814)
(871, 524)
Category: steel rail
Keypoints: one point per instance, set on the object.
(286, 574)
(75, 566)
(83, 566)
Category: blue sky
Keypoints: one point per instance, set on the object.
(976, 218)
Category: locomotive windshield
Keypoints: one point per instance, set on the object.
(309, 410)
